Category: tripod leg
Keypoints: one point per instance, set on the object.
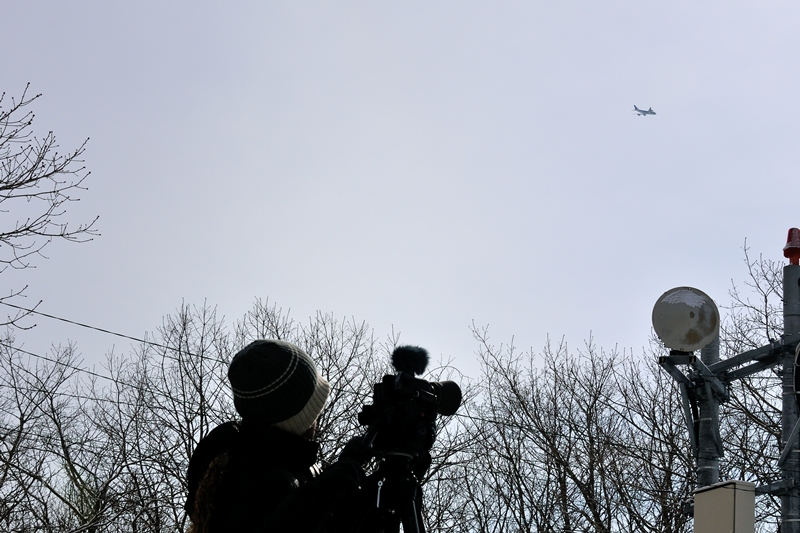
(411, 512)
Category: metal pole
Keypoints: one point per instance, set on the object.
(790, 470)
(709, 449)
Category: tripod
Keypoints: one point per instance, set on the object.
(394, 492)
(398, 495)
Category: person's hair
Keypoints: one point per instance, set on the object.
(205, 501)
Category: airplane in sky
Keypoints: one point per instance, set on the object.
(642, 112)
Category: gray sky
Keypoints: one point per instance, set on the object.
(420, 165)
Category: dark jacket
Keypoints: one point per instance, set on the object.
(249, 477)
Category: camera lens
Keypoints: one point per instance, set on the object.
(449, 396)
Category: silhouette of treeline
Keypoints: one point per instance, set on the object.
(561, 440)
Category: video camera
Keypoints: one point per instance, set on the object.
(401, 431)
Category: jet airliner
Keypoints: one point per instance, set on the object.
(643, 112)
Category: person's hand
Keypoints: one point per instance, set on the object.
(345, 473)
(357, 450)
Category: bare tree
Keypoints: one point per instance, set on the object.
(442, 485)
(56, 470)
(556, 441)
(580, 442)
(36, 184)
(655, 444)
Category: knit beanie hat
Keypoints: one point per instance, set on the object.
(276, 382)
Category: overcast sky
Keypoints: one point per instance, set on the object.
(417, 165)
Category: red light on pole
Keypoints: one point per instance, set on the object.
(792, 248)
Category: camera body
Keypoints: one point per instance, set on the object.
(402, 417)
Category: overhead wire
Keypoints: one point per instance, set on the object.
(117, 334)
(62, 363)
(182, 351)
(114, 380)
(118, 382)
(68, 321)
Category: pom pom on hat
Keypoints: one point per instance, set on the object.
(276, 382)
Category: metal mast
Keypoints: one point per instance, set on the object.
(709, 442)
(790, 469)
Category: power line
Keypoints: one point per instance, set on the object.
(120, 383)
(122, 335)
(144, 341)
(62, 363)
(68, 321)
(124, 383)
(109, 332)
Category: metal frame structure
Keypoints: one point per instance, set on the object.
(705, 385)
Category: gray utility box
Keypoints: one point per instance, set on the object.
(727, 507)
